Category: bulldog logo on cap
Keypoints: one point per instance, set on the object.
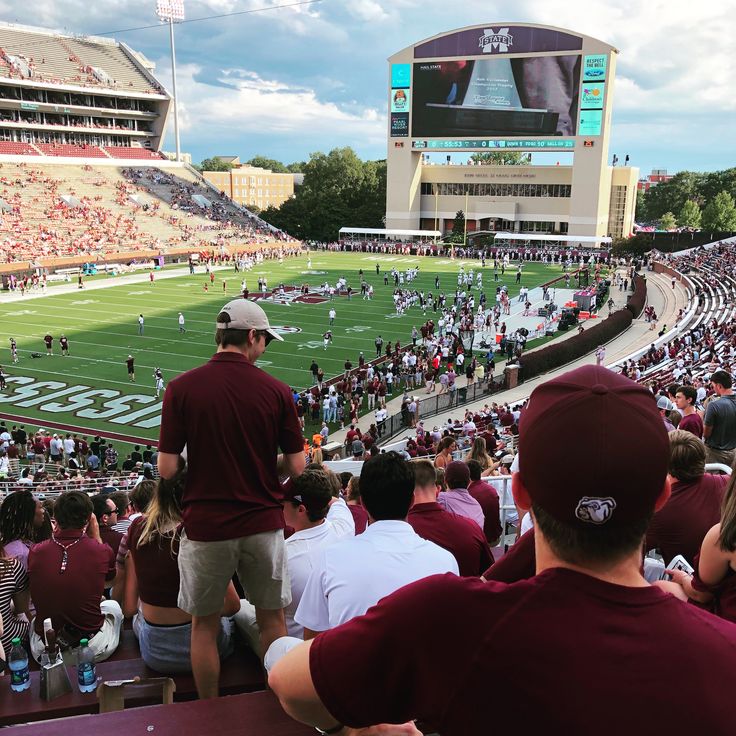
(595, 510)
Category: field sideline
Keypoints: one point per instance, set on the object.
(90, 389)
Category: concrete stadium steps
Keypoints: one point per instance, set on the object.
(49, 56)
(63, 59)
(113, 61)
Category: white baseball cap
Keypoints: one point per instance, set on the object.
(246, 315)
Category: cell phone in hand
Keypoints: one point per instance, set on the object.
(680, 563)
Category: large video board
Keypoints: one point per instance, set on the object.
(521, 96)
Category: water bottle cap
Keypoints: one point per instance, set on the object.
(15, 641)
(83, 642)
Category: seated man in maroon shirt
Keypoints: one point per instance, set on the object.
(68, 575)
(456, 534)
(487, 496)
(695, 504)
(106, 513)
(585, 633)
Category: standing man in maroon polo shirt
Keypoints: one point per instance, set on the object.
(233, 519)
(585, 632)
(68, 575)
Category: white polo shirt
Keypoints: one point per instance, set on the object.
(351, 576)
(301, 548)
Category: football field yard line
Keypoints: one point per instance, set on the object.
(103, 329)
(79, 377)
(129, 349)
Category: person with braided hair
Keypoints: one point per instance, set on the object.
(18, 515)
(22, 521)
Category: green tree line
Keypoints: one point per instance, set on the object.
(698, 200)
(340, 190)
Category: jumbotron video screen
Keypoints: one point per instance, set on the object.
(523, 96)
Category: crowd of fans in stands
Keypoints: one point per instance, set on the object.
(378, 560)
(49, 227)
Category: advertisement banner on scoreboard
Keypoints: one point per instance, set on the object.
(399, 124)
(592, 95)
(591, 122)
(594, 67)
(400, 76)
(400, 100)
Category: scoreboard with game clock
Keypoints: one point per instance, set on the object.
(502, 87)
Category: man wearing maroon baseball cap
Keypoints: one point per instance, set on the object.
(593, 647)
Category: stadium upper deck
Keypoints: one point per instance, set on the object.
(69, 96)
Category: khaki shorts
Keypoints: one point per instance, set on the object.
(206, 568)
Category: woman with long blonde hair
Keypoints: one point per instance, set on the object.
(151, 585)
(479, 453)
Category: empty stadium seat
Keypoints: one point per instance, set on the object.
(132, 152)
(17, 149)
(67, 149)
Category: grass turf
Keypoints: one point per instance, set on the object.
(90, 390)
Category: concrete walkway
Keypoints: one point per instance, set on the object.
(666, 302)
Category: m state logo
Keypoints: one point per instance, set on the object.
(286, 329)
(595, 510)
(492, 40)
(290, 296)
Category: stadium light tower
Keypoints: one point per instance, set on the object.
(172, 11)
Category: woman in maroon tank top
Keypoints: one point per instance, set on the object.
(151, 586)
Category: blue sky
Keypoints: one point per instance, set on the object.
(286, 82)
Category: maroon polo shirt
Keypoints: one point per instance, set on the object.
(458, 535)
(360, 517)
(579, 645)
(519, 563)
(73, 596)
(487, 496)
(233, 418)
(111, 537)
(679, 526)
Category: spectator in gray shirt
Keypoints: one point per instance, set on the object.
(719, 422)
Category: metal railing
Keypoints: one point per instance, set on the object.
(438, 403)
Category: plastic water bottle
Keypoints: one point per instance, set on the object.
(20, 675)
(86, 674)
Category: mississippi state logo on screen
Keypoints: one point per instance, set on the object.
(499, 41)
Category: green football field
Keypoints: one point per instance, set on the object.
(89, 390)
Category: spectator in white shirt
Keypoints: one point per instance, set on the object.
(351, 576)
(319, 519)
(68, 445)
(55, 449)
